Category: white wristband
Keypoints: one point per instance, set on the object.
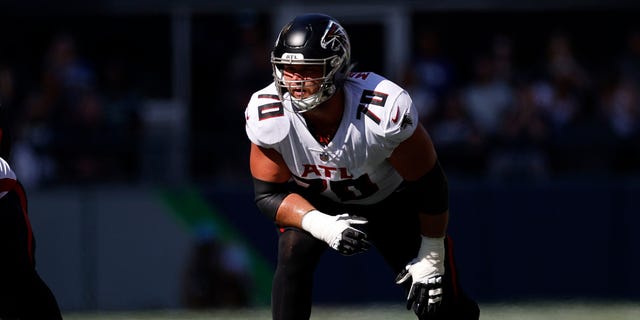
(318, 224)
(432, 251)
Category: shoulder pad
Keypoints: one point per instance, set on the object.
(267, 123)
(386, 104)
(400, 118)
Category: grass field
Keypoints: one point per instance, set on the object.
(538, 311)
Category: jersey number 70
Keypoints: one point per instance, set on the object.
(345, 190)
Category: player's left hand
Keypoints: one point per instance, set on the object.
(426, 272)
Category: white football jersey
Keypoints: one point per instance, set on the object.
(7, 178)
(353, 168)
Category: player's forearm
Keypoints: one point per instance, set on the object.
(291, 211)
(434, 225)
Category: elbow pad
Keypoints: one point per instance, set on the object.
(269, 196)
(433, 190)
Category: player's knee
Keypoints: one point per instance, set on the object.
(297, 252)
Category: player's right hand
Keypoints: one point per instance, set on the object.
(350, 240)
(337, 231)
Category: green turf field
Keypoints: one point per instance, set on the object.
(538, 311)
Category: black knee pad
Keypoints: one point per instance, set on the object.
(298, 249)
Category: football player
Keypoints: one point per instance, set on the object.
(340, 161)
(23, 294)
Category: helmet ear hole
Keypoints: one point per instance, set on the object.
(312, 39)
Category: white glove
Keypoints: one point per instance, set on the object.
(426, 271)
(337, 231)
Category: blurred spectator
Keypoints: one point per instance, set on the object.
(487, 97)
(563, 85)
(74, 112)
(75, 128)
(122, 107)
(567, 98)
(460, 143)
(563, 65)
(66, 77)
(430, 75)
(25, 124)
(33, 144)
(56, 114)
(502, 51)
(520, 149)
(84, 143)
(620, 108)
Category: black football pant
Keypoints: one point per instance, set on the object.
(395, 234)
(23, 294)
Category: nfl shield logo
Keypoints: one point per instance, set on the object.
(324, 156)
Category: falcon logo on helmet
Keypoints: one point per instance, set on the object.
(334, 37)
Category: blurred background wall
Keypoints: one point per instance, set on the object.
(128, 134)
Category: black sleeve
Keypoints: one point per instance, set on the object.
(432, 190)
(269, 196)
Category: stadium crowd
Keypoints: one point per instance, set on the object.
(75, 123)
(497, 118)
(508, 121)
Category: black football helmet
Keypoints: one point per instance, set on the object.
(312, 39)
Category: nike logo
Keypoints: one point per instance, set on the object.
(397, 116)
